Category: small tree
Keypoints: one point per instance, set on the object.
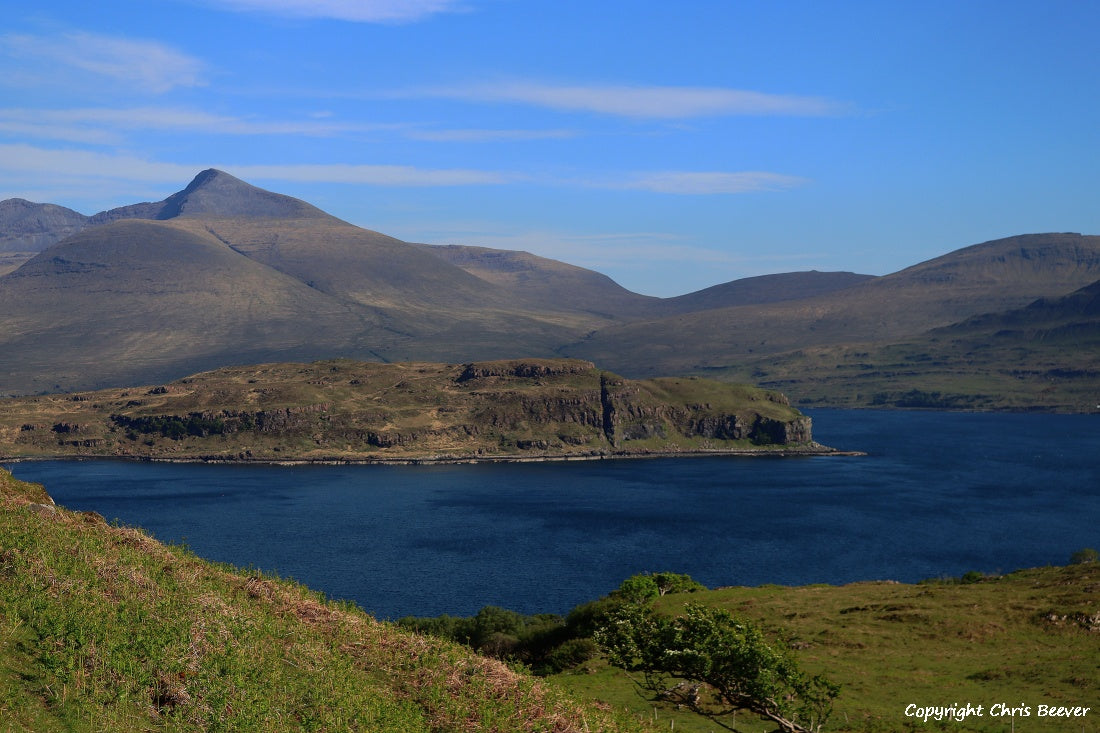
(647, 586)
(1084, 555)
(720, 664)
(676, 583)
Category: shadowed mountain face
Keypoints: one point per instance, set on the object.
(1044, 355)
(990, 277)
(27, 228)
(138, 299)
(31, 227)
(226, 273)
(543, 283)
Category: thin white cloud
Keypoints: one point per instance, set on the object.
(21, 158)
(358, 11)
(688, 182)
(481, 136)
(66, 166)
(107, 125)
(593, 250)
(372, 175)
(145, 65)
(103, 125)
(27, 166)
(654, 102)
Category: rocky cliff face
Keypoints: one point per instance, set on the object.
(350, 410)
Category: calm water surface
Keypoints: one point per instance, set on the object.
(938, 494)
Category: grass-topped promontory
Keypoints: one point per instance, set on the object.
(104, 629)
(359, 411)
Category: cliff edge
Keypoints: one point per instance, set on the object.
(342, 410)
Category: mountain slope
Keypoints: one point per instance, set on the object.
(142, 298)
(989, 277)
(27, 228)
(226, 273)
(763, 289)
(31, 227)
(1045, 354)
(313, 287)
(544, 283)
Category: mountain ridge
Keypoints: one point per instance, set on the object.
(314, 286)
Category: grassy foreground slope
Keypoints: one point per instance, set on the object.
(103, 628)
(1023, 639)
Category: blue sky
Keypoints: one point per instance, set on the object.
(671, 146)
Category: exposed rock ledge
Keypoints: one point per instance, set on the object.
(353, 412)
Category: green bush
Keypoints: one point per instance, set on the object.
(1086, 554)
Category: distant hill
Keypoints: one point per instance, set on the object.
(27, 228)
(990, 277)
(147, 292)
(31, 227)
(764, 289)
(1044, 355)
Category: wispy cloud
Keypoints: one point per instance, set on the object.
(487, 135)
(358, 11)
(145, 65)
(687, 182)
(27, 165)
(655, 102)
(69, 165)
(373, 175)
(103, 125)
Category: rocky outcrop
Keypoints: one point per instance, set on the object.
(519, 409)
(525, 369)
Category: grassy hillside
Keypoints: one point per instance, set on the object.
(1028, 638)
(346, 410)
(102, 628)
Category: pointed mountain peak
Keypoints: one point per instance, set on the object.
(216, 194)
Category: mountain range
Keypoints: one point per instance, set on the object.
(224, 273)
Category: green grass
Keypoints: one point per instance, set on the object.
(1031, 637)
(103, 628)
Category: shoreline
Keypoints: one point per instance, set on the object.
(798, 452)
